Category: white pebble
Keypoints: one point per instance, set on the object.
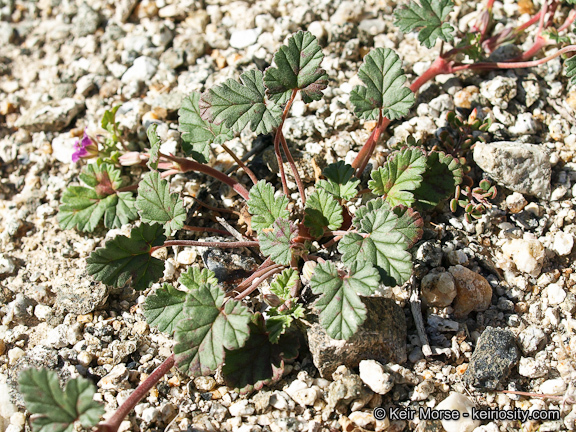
(244, 38)
(555, 386)
(373, 375)
(530, 339)
(516, 202)
(14, 355)
(457, 401)
(555, 293)
(527, 255)
(306, 397)
(563, 243)
(150, 414)
(241, 408)
(187, 256)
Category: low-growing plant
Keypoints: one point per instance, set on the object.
(341, 240)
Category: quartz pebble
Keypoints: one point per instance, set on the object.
(526, 254)
(459, 402)
(241, 408)
(555, 386)
(516, 202)
(374, 376)
(563, 243)
(531, 338)
(555, 294)
(474, 293)
(438, 288)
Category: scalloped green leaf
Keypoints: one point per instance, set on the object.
(259, 362)
(426, 17)
(443, 173)
(275, 242)
(322, 211)
(155, 144)
(297, 68)
(340, 180)
(54, 409)
(157, 205)
(84, 207)
(264, 207)
(410, 224)
(165, 308)
(124, 258)
(213, 323)
(237, 105)
(198, 134)
(570, 65)
(399, 177)
(284, 282)
(340, 307)
(379, 243)
(385, 90)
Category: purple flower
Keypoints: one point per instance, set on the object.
(85, 149)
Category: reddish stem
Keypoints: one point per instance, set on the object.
(293, 167)
(277, 142)
(271, 271)
(240, 163)
(113, 423)
(254, 275)
(128, 188)
(569, 20)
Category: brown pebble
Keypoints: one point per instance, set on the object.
(474, 293)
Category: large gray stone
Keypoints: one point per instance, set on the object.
(381, 337)
(52, 116)
(523, 168)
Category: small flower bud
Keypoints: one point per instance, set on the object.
(308, 271)
(132, 158)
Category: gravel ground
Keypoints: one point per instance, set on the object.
(499, 294)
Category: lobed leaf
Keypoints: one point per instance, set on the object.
(427, 17)
(198, 134)
(410, 224)
(570, 65)
(297, 68)
(264, 207)
(109, 119)
(399, 177)
(237, 104)
(157, 205)
(384, 91)
(124, 258)
(341, 310)
(379, 243)
(284, 282)
(322, 211)
(84, 207)
(155, 144)
(340, 181)
(54, 409)
(212, 325)
(275, 242)
(443, 173)
(259, 362)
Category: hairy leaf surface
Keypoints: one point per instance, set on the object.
(124, 258)
(212, 324)
(297, 68)
(155, 144)
(284, 282)
(340, 180)
(570, 65)
(427, 17)
(385, 90)
(157, 205)
(322, 211)
(399, 177)
(54, 409)
(237, 105)
(275, 242)
(264, 207)
(198, 134)
(443, 173)
(341, 310)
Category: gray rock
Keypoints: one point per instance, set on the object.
(81, 296)
(7, 265)
(523, 168)
(142, 70)
(499, 91)
(228, 267)
(53, 116)
(173, 57)
(6, 33)
(86, 21)
(495, 355)
(346, 390)
(381, 337)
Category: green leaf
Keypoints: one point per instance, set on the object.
(123, 258)
(284, 282)
(155, 144)
(277, 325)
(198, 134)
(340, 180)
(237, 104)
(322, 211)
(428, 19)
(443, 173)
(410, 224)
(275, 242)
(264, 207)
(54, 409)
(399, 176)
(258, 362)
(157, 205)
(109, 120)
(213, 323)
(297, 68)
(385, 91)
(164, 308)
(83, 207)
(341, 310)
(570, 65)
(380, 243)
